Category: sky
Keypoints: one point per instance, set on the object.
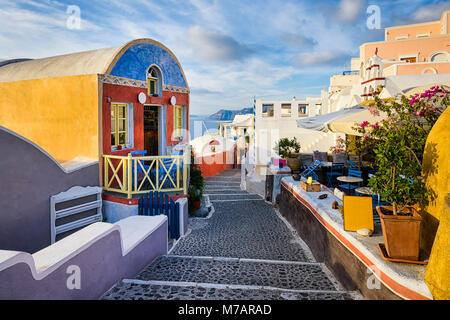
(230, 50)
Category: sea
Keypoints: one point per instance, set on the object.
(200, 124)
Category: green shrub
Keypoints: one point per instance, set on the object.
(287, 148)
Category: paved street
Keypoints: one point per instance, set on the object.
(244, 250)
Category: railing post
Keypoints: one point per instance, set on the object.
(106, 172)
(185, 182)
(157, 173)
(178, 172)
(129, 176)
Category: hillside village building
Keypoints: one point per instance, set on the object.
(410, 56)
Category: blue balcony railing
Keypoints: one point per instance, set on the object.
(351, 73)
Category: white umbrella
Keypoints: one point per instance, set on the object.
(322, 122)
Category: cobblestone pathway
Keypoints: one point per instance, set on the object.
(243, 251)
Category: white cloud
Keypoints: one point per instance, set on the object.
(349, 10)
(319, 58)
(430, 12)
(214, 46)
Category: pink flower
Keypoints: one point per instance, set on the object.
(364, 124)
(374, 111)
(375, 126)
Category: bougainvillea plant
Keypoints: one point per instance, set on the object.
(399, 143)
(339, 147)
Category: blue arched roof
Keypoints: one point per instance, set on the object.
(136, 60)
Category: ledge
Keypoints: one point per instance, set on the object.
(132, 232)
(404, 280)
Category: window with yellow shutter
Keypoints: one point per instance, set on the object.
(119, 125)
(154, 82)
(178, 122)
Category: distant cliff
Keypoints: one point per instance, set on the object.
(227, 115)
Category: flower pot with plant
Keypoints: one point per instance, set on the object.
(289, 149)
(195, 197)
(398, 143)
(196, 185)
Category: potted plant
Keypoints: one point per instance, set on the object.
(196, 185)
(195, 197)
(289, 149)
(398, 143)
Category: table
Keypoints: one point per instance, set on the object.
(368, 191)
(349, 180)
(365, 190)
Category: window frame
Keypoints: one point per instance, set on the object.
(267, 114)
(302, 106)
(178, 122)
(154, 80)
(128, 130)
(284, 107)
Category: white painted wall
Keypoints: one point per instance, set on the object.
(270, 129)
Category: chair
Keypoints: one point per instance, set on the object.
(167, 163)
(352, 164)
(350, 186)
(309, 171)
(337, 169)
(138, 167)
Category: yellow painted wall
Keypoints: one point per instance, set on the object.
(437, 173)
(58, 114)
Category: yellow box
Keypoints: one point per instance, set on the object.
(358, 213)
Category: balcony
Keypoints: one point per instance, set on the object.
(139, 175)
(351, 73)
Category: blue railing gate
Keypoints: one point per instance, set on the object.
(158, 203)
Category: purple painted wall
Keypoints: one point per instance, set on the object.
(101, 265)
(28, 178)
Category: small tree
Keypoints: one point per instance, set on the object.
(286, 148)
(399, 144)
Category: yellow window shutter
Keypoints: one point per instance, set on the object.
(178, 121)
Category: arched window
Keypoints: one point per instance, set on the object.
(429, 71)
(441, 56)
(154, 78)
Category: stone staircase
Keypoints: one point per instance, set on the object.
(244, 251)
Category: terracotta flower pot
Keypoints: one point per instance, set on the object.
(196, 204)
(294, 163)
(401, 234)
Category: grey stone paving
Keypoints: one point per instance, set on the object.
(278, 275)
(242, 229)
(239, 231)
(132, 291)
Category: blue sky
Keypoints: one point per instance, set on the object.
(230, 50)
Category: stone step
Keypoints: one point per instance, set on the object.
(244, 272)
(224, 191)
(152, 290)
(215, 197)
(208, 189)
(224, 184)
(218, 178)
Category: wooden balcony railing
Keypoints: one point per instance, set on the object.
(138, 175)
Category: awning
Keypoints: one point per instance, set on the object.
(346, 123)
(422, 89)
(322, 122)
(341, 121)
